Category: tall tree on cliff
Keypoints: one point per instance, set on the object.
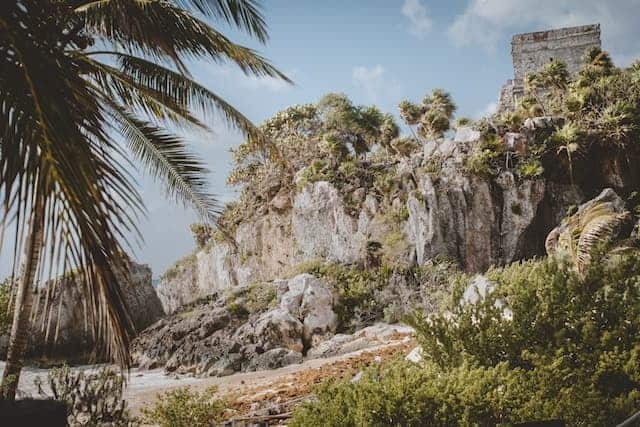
(87, 89)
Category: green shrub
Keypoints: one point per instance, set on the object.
(365, 295)
(404, 394)
(530, 168)
(93, 398)
(183, 264)
(185, 408)
(546, 343)
(6, 316)
(256, 298)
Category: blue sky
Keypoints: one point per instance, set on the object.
(377, 52)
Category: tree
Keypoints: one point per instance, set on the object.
(87, 88)
(432, 117)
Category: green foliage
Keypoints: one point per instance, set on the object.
(404, 394)
(185, 263)
(546, 343)
(382, 292)
(405, 146)
(185, 408)
(202, 234)
(93, 398)
(328, 141)
(462, 122)
(573, 335)
(318, 170)
(530, 168)
(6, 315)
(432, 117)
(255, 298)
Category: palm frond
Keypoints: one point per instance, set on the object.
(245, 14)
(184, 90)
(162, 31)
(126, 90)
(167, 158)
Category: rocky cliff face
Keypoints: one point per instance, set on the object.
(220, 337)
(440, 210)
(62, 332)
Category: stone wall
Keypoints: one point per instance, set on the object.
(531, 51)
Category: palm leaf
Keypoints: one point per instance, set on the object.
(244, 13)
(163, 31)
(167, 158)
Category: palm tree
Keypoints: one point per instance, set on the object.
(88, 89)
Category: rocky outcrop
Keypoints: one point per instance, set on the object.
(476, 220)
(439, 208)
(218, 338)
(61, 330)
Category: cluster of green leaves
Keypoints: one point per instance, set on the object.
(366, 295)
(597, 108)
(432, 117)
(326, 141)
(546, 343)
(255, 298)
(185, 408)
(183, 264)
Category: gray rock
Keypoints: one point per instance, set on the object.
(273, 359)
(368, 337)
(59, 330)
(278, 328)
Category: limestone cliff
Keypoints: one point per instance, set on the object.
(61, 331)
(438, 208)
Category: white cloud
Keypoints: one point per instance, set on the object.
(420, 22)
(376, 86)
(486, 22)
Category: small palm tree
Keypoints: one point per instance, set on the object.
(87, 89)
(585, 231)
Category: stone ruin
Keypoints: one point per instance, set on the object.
(530, 51)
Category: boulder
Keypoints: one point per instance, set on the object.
(371, 336)
(273, 329)
(273, 359)
(310, 300)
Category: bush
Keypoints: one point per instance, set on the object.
(404, 394)
(185, 408)
(546, 343)
(92, 398)
(366, 295)
(256, 298)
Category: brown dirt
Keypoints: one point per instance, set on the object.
(275, 391)
(287, 391)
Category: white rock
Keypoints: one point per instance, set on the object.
(415, 355)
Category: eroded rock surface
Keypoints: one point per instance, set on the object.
(217, 338)
(61, 331)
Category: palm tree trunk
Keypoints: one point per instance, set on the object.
(23, 304)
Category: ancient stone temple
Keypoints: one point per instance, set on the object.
(530, 51)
